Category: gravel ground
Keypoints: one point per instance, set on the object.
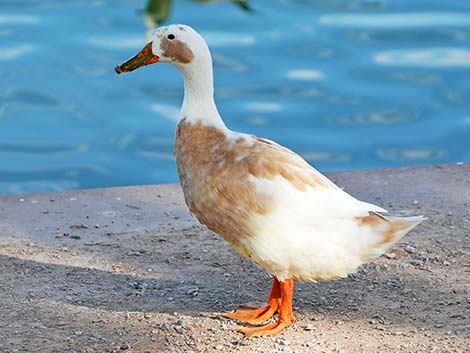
(72, 285)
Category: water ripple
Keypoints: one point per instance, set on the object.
(304, 75)
(430, 57)
(263, 107)
(397, 20)
(117, 42)
(419, 78)
(325, 156)
(18, 19)
(11, 53)
(167, 111)
(411, 153)
(41, 149)
(377, 118)
(225, 39)
(17, 99)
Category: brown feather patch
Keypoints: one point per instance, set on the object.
(387, 227)
(176, 50)
(214, 174)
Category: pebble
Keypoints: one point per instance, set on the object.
(415, 262)
(309, 327)
(283, 342)
(410, 249)
(415, 202)
(125, 346)
(135, 253)
(164, 327)
(179, 329)
(389, 255)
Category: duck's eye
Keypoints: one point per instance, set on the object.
(171, 36)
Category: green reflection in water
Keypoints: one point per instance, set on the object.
(158, 11)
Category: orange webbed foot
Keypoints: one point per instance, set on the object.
(252, 315)
(255, 315)
(280, 300)
(265, 330)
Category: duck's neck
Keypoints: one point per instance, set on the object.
(198, 103)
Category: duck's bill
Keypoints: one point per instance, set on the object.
(143, 58)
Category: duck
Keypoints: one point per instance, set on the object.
(262, 198)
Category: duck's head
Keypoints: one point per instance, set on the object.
(176, 44)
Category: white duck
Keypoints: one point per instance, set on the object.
(262, 198)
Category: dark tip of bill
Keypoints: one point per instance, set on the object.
(118, 69)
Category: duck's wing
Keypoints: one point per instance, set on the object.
(283, 173)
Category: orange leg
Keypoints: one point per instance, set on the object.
(255, 315)
(286, 318)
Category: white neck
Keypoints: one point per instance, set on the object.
(198, 103)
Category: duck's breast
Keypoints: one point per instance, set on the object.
(215, 185)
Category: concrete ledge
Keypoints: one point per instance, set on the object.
(99, 269)
(146, 208)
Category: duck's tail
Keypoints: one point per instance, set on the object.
(387, 230)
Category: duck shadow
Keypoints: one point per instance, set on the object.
(212, 278)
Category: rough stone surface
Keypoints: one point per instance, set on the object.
(128, 269)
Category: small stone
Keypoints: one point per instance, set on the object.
(125, 346)
(75, 236)
(389, 255)
(164, 327)
(309, 327)
(410, 249)
(180, 323)
(134, 253)
(284, 342)
(179, 329)
(415, 202)
(95, 335)
(415, 262)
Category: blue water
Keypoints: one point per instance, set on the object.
(348, 84)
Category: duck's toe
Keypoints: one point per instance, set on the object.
(266, 330)
(252, 315)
